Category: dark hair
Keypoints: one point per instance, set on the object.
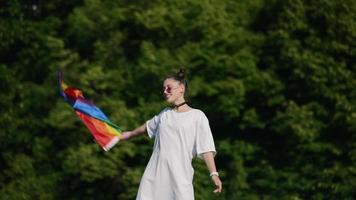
(180, 76)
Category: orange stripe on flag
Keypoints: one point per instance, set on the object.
(103, 133)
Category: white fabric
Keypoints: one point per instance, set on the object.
(178, 138)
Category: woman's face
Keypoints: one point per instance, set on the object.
(172, 90)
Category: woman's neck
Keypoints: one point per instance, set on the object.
(179, 101)
(181, 106)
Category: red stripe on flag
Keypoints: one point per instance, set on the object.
(97, 128)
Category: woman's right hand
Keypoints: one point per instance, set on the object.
(125, 135)
(130, 134)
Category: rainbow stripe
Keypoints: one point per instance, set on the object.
(103, 130)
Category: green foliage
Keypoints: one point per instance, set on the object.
(276, 79)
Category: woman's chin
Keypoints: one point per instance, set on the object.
(169, 100)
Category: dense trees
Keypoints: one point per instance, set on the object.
(276, 79)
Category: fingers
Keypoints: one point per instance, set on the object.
(125, 135)
(218, 185)
(218, 189)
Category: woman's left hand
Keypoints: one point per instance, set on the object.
(217, 183)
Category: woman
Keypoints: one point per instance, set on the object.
(180, 133)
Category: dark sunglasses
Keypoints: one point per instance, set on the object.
(168, 89)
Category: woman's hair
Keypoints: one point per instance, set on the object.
(180, 76)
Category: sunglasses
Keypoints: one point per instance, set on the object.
(168, 89)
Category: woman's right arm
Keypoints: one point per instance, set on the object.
(130, 134)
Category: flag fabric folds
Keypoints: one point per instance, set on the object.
(103, 130)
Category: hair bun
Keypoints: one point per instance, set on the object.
(181, 74)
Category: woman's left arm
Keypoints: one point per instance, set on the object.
(210, 163)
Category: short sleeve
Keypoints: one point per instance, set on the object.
(153, 123)
(204, 141)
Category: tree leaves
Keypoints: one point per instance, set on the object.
(276, 80)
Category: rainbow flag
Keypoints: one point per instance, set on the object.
(103, 130)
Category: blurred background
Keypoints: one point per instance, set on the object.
(276, 79)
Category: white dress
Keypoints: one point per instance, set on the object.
(179, 136)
